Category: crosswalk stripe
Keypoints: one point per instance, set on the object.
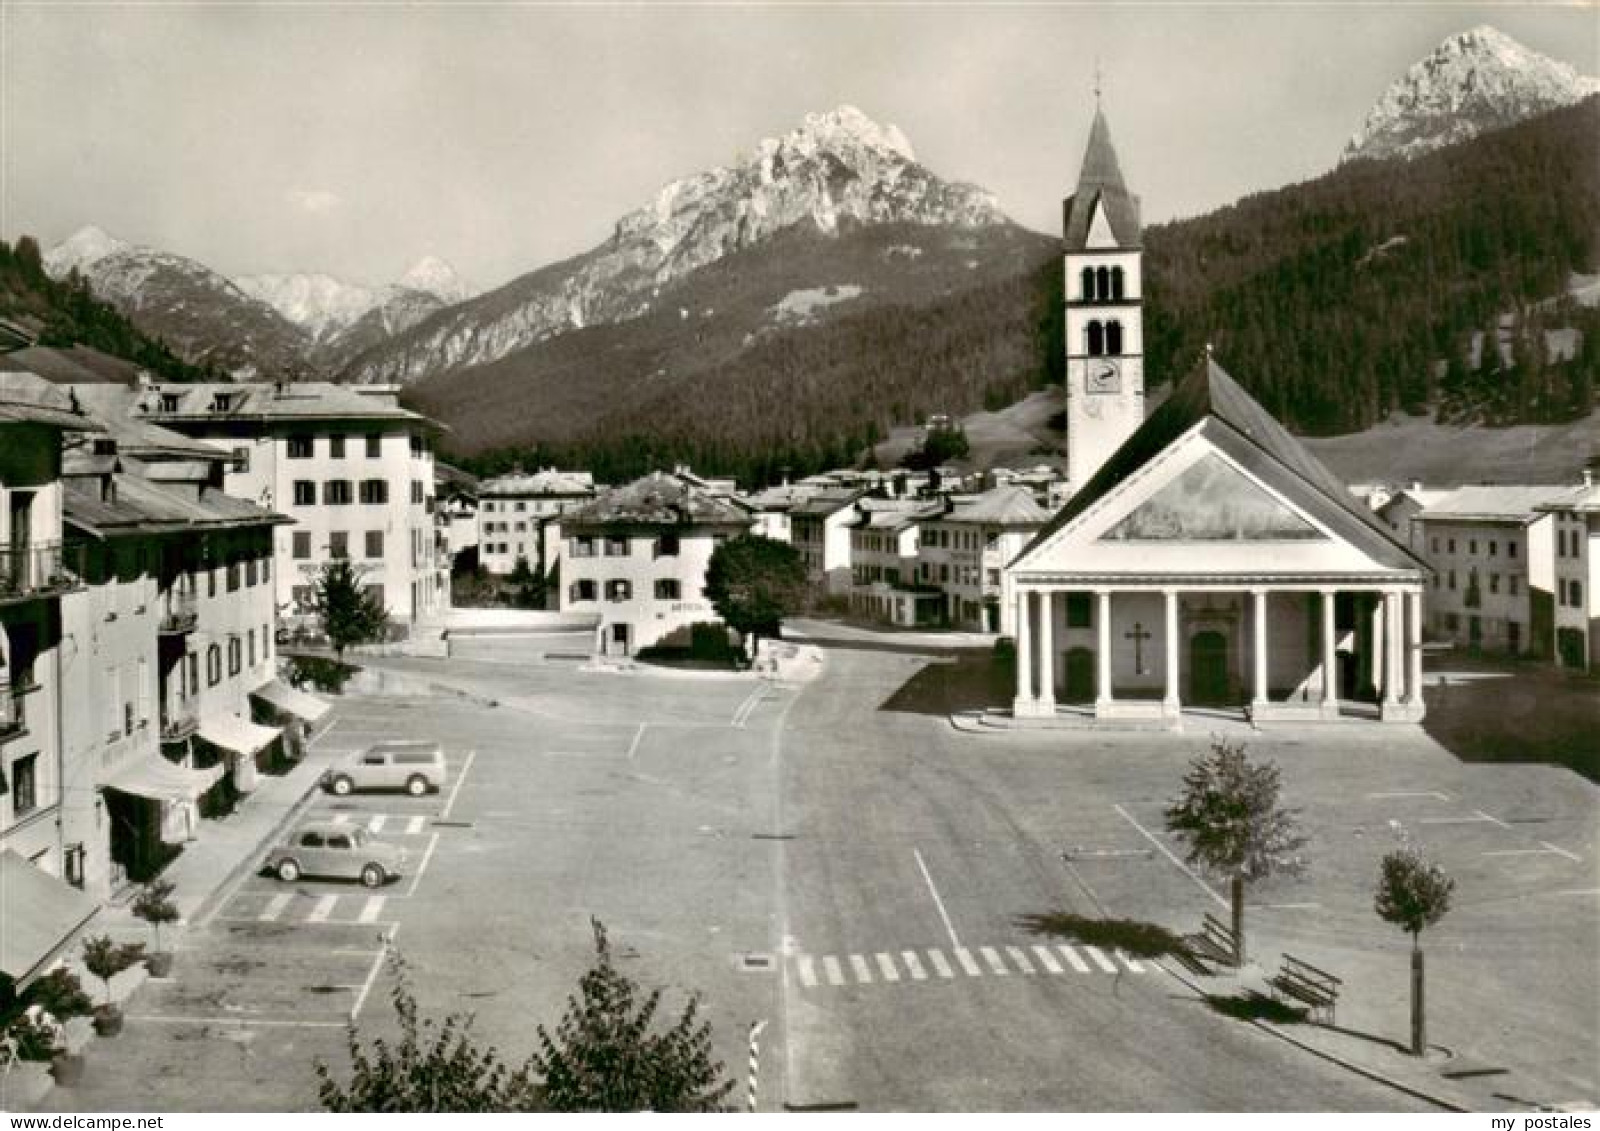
(324, 908)
(830, 966)
(1071, 956)
(341, 818)
(992, 957)
(914, 964)
(968, 964)
(859, 966)
(1130, 963)
(1046, 959)
(376, 824)
(808, 972)
(414, 825)
(940, 966)
(374, 906)
(1100, 959)
(886, 967)
(1020, 959)
(275, 906)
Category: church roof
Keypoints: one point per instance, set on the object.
(1234, 421)
(1100, 181)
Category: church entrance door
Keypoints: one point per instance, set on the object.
(1208, 669)
(1080, 676)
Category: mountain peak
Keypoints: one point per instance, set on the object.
(89, 244)
(844, 127)
(437, 277)
(1477, 80)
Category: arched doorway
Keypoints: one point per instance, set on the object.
(1080, 676)
(1208, 668)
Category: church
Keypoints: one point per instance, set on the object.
(1206, 559)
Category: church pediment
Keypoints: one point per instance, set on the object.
(1212, 501)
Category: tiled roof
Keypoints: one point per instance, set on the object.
(547, 482)
(1100, 180)
(1518, 502)
(1211, 399)
(112, 406)
(147, 507)
(657, 500)
(1003, 506)
(295, 400)
(27, 398)
(1585, 499)
(895, 514)
(826, 502)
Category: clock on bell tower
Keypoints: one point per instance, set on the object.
(1103, 318)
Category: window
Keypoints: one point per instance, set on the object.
(305, 493)
(193, 662)
(619, 590)
(304, 597)
(1472, 546)
(374, 447)
(377, 594)
(1095, 335)
(336, 447)
(1511, 549)
(667, 546)
(667, 589)
(213, 665)
(417, 490)
(250, 648)
(233, 575)
(1086, 289)
(241, 459)
(521, 506)
(266, 568)
(221, 402)
(581, 590)
(211, 581)
(336, 493)
(169, 402)
(302, 545)
(300, 447)
(338, 544)
(1114, 337)
(1494, 548)
(1452, 545)
(266, 642)
(1116, 282)
(24, 788)
(1494, 583)
(311, 840)
(374, 491)
(1513, 636)
(374, 543)
(616, 547)
(1452, 584)
(235, 655)
(1436, 544)
(1513, 584)
(1577, 593)
(250, 571)
(1078, 610)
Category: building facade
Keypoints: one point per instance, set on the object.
(514, 510)
(1575, 522)
(965, 550)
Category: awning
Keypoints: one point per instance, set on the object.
(231, 732)
(157, 779)
(291, 699)
(39, 914)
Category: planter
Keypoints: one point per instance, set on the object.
(67, 1068)
(107, 1020)
(159, 964)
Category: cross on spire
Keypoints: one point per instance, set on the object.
(1097, 80)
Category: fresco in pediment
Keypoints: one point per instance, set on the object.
(1212, 501)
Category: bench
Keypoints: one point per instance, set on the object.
(1305, 983)
(1212, 943)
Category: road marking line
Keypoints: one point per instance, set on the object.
(1100, 959)
(172, 1019)
(324, 908)
(859, 967)
(325, 733)
(414, 826)
(372, 972)
(1570, 856)
(830, 966)
(376, 824)
(742, 713)
(1047, 960)
(633, 747)
(275, 906)
(992, 957)
(1284, 906)
(433, 842)
(1578, 891)
(1417, 793)
(1071, 956)
(1167, 852)
(1020, 959)
(940, 966)
(1519, 852)
(914, 964)
(1478, 820)
(1130, 962)
(886, 967)
(1496, 820)
(964, 956)
(808, 971)
(372, 910)
(460, 778)
(937, 902)
(341, 818)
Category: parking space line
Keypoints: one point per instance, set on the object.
(1071, 956)
(858, 966)
(324, 908)
(1496, 820)
(633, 747)
(460, 777)
(372, 971)
(1478, 819)
(433, 842)
(830, 967)
(968, 964)
(376, 824)
(1047, 960)
(1435, 794)
(414, 825)
(808, 971)
(275, 906)
(1167, 852)
(1518, 852)
(373, 908)
(1570, 856)
(270, 1022)
(940, 966)
(1020, 959)
(914, 965)
(992, 957)
(1100, 959)
(886, 967)
(937, 902)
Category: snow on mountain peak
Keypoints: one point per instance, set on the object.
(436, 277)
(89, 244)
(1478, 80)
(842, 128)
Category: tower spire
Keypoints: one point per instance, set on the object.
(1097, 82)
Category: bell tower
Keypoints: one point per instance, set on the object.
(1104, 323)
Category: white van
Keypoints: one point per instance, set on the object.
(416, 767)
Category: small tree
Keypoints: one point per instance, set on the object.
(154, 905)
(1230, 819)
(603, 1056)
(527, 586)
(431, 1067)
(105, 959)
(754, 582)
(1413, 893)
(351, 613)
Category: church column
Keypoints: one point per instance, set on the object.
(1393, 633)
(1170, 702)
(1047, 651)
(1330, 670)
(1102, 652)
(1258, 653)
(1414, 648)
(1024, 703)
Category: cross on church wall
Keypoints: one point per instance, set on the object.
(1139, 635)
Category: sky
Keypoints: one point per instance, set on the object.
(355, 138)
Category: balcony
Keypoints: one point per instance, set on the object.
(43, 570)
(180, 614)
(12, 720)
(177, 726)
